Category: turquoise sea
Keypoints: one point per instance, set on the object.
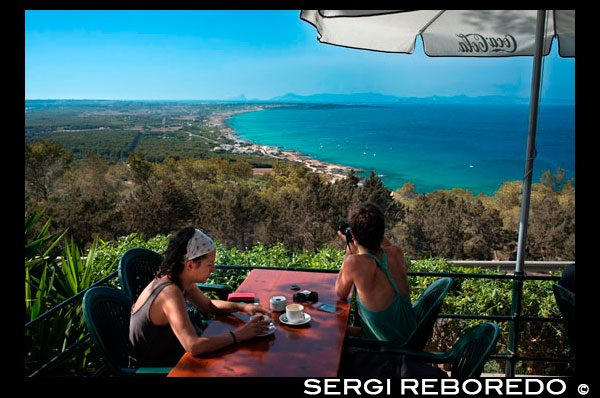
(434, 146)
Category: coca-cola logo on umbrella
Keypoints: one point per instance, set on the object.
(475, 43)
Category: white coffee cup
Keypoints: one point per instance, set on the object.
(294, 313)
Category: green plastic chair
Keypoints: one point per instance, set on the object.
(107, 312)
(468, 355)
(565, 299)
(426, 308)
(138, 266)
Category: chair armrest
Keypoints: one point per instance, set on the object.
(145, 371)
(152, 371)
(221, 290)
(430, 357)
(386, 346)
(361, 342)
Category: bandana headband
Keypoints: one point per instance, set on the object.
(198, 245)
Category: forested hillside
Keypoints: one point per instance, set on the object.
(290, 205)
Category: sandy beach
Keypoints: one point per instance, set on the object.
(219, 120)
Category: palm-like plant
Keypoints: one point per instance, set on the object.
(48, 282)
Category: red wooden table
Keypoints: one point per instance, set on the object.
(313, 349)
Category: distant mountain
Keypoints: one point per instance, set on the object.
(383, 99)
(240, 98)
(358, 98)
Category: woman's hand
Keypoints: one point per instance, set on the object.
(255, 309)
(351, 247)
(254, 327)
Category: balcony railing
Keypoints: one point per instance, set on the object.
(515, 318)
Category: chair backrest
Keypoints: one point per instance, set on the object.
(427, 308)
(137, 268)
(470, 353)
(565, 299)
(106, 312)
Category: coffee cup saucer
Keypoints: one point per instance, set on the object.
(283, 319)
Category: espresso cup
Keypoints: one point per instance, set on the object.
(294, 313)
(263, 318)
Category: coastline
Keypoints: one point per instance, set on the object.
(329, 170)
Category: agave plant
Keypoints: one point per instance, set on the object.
(40, 249)
(75, 271)
(48, 282)
(40, 256)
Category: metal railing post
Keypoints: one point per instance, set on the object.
(513, 325)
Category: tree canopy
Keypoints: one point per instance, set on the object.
(291, 205)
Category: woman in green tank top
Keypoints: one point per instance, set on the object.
(377, 270)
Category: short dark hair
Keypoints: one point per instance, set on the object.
(368, 224)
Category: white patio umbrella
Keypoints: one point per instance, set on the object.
(459, 33)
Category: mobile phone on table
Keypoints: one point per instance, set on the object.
(326, 307)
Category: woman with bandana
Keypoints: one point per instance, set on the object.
(160, 330)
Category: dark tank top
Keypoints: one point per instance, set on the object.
(152, 345)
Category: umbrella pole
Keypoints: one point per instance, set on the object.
(525, 201)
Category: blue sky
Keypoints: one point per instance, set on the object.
(213, 54)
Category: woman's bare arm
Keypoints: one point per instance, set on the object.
(175, 310)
